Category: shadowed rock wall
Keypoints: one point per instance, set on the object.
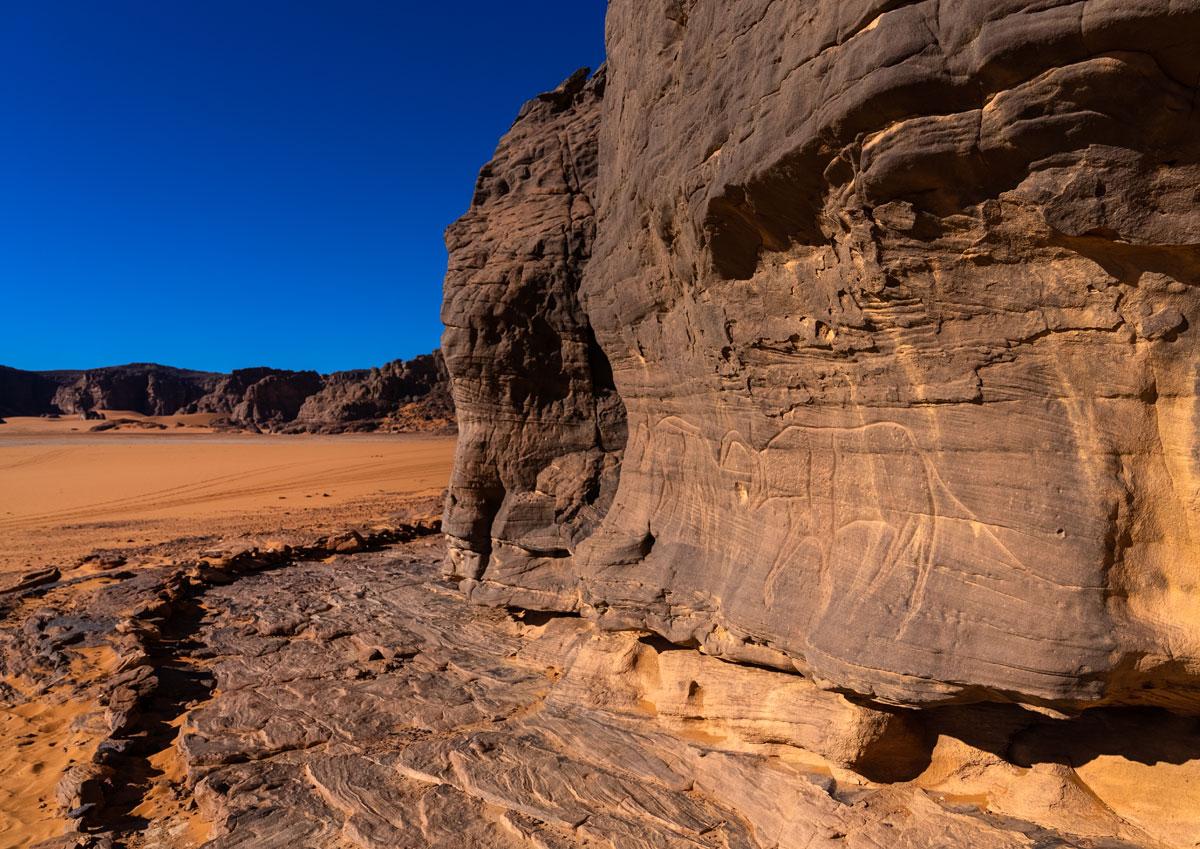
(26, 393)
(901, 301)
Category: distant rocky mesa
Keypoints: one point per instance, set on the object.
(900, 302)
(402, 395)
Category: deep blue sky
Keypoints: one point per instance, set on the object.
(223, 183)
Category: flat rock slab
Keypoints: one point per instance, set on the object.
(260, 699)
(369, 706)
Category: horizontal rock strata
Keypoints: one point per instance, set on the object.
(900, 300)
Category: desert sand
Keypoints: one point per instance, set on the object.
(66, 492)
(138, 495)
(44, 735)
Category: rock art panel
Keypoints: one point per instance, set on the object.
(900, 299)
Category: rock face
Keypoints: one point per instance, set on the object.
(25, 393)
(262, 396)
(400, 396)
(358, 400)
(541, 425)
(900, 299)
(145, 388)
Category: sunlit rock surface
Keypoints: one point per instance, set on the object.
(900, 300)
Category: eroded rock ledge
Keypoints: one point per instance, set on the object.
(900, 301)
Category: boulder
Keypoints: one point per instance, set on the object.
(82, 789)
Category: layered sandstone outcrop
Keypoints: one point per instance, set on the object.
(260, 396)
(380, 397)
(900, 300)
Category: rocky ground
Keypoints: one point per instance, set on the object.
(342, 694)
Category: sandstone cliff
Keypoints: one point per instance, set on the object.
(25, 393)
(152, 390)
(900, 300)
(889, 397)
(415, 391)
(259, 396)
(541, 427)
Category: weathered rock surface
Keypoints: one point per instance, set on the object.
(381, 397)
(149, 389)
(901, 301)
(25, 393)
(541, 428)
(256, 698)
(399, 396)
(262, 396)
